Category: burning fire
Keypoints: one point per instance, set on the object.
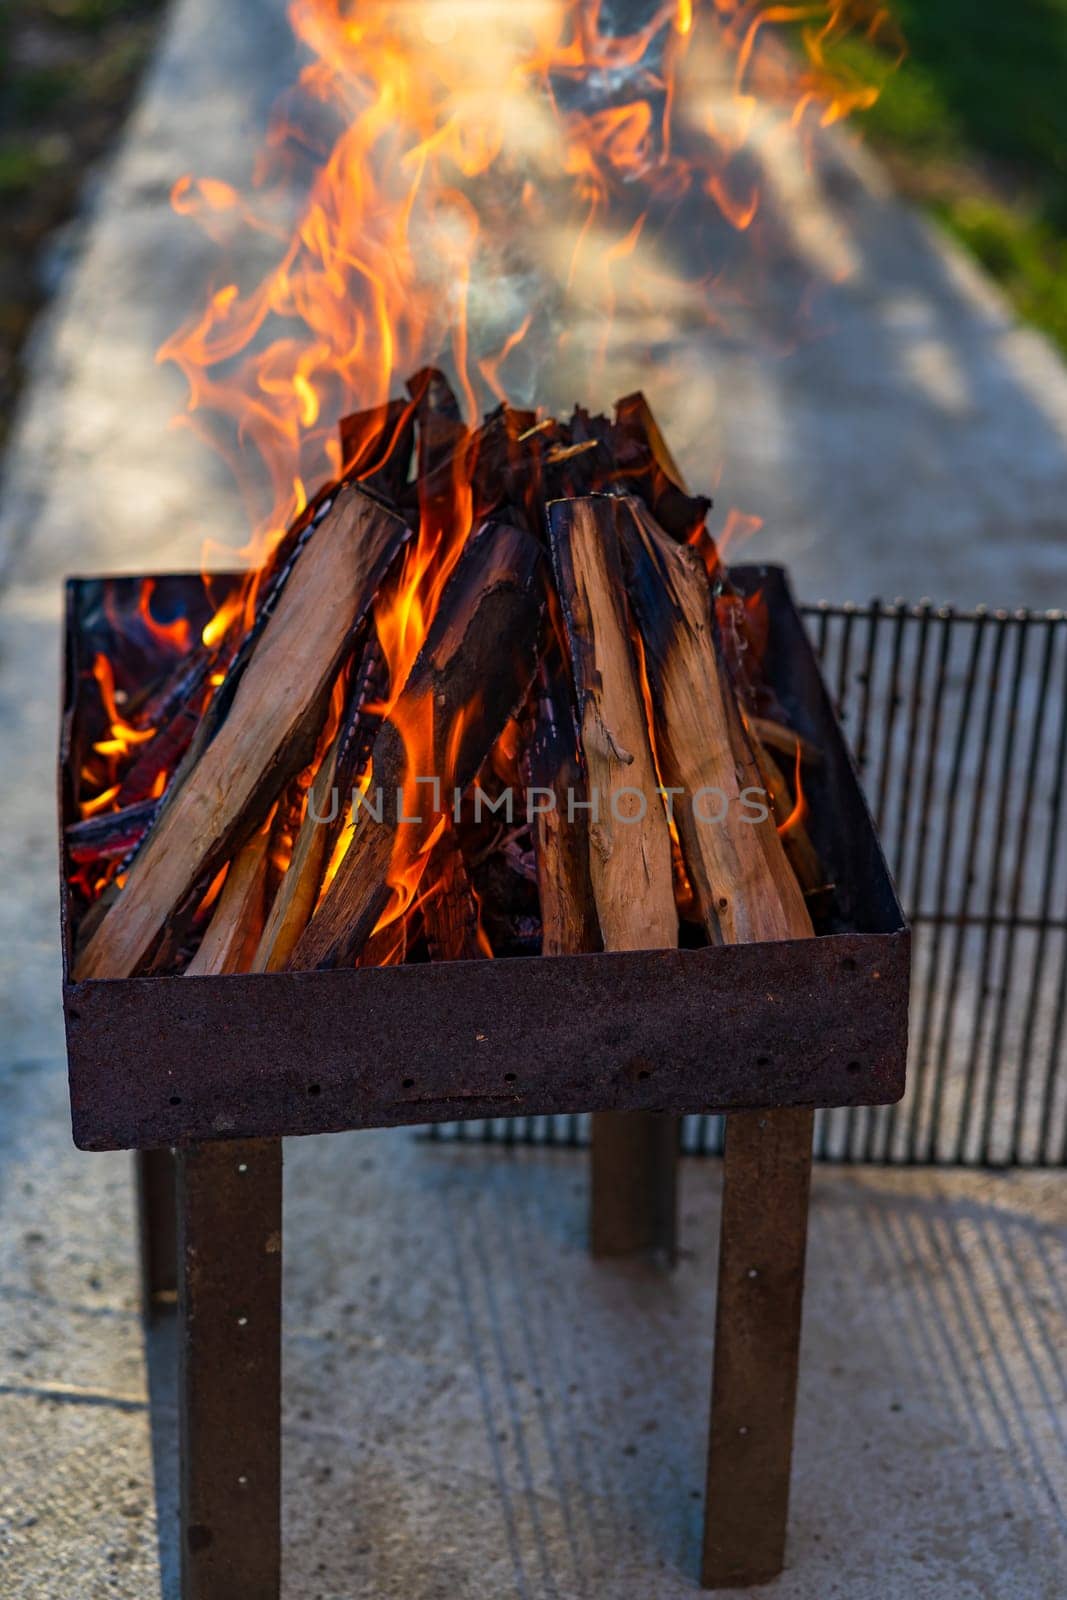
(798, 815)
(499, 185)
(502, 187)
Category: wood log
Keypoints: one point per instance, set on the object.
(161, 755)
(387, 946)
(328, 800)
(270, 581)
(110, 836)
(575, 470)
(234, 929)
(359, 726)
(498, 461)
(449, 910)
(630, 849)
(292, 906)
(472, 673)
(441, 429)
(288, 815)
(268, 735)
(634, 1155)
(569, 923)
(442, 439)
(376, 447)
(746, 889)
(646, 467)
(778, 736)
(184, 681)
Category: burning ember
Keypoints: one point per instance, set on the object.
(458, 604)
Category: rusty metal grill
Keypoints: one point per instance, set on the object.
(959, 726)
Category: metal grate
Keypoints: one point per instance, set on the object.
(958, 722)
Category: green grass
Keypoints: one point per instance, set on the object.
(20, 167)
(67, 70)
(974, 124)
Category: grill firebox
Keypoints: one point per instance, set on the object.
(219, 1069)
(169, 1060)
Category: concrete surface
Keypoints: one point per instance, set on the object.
(471, 1408)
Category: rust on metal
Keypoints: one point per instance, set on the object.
(229, 1391)
(157, 1218)
(763, 1236)
(816, 1023)
(634, 1184)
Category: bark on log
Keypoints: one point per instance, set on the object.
(630, 850)
(472, 673)
(569, 923)
(268, 735)
(744, 884)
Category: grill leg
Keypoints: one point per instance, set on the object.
(767, 1178)
(157, 1217)
(634, 1183)
(229, 1381)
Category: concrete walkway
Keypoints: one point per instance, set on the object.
(470, 1407)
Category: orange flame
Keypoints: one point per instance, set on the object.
(172, 637)
(491, 172)
(799, 813)
(122, 736)
(494, 166)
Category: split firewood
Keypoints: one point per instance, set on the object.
(648, 469)
(159, 757)
(270, 584)
(324, 807)
(294, 901)
(232, 934)
(288, 814)
(561, 833)
(499, 461)
(449, 909)
(268, 734)
(634, 420)
(387, 945)
(185, 928)
(376, 447)
(742, 879)
(442, 438)
(641, 685)
(328, 799)
(629, 840)
(184, 683)
(778, 736)
(629, 848)
(472, 673)
(110, 836)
